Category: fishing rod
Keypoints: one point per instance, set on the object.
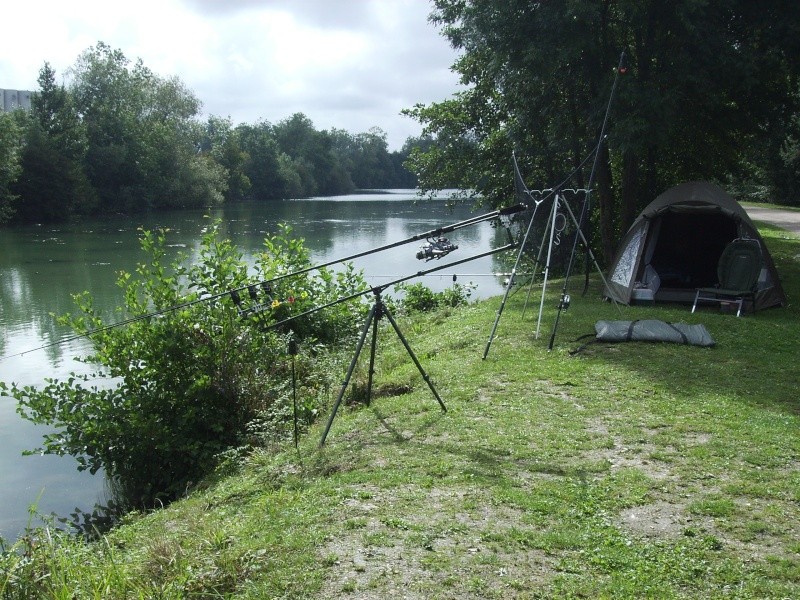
(455, 275)
(432, 234)
(382, 287)
(563, 302)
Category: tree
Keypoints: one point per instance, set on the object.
(788, 173)
(52, 107)
(142, 136)
(261, 165)
(184, 379)
(372, 164)
(50, 186)
(10, 146)
(53, 184)
(312, 154)
(223, 144)
(702, 82)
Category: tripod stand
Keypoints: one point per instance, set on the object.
(376, 313)
(556, 224)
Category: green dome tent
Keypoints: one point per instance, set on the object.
(674, 247)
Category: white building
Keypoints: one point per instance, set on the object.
(14, 99)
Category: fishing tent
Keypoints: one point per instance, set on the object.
(674, 247)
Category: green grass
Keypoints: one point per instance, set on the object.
(629, 470)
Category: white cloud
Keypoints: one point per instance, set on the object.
(349, 64)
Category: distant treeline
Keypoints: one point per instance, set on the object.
(121, 139)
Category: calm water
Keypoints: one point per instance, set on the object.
(42, 266)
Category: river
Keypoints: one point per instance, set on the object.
(42, 266)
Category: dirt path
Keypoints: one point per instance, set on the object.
(786, 219)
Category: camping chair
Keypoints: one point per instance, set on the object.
(738, 270)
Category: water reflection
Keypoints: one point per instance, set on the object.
(41, 267)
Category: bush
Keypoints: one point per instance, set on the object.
(187, 374)
(419, 298)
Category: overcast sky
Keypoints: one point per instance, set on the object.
(348, 64)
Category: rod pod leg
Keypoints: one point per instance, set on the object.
(377, 311)
(370, 321)
(414, 358)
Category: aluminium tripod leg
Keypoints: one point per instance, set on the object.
(591, 255)
(370, 321)
(414, 358)
(378, 313)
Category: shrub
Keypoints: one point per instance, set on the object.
(419, 298)
(181, 381)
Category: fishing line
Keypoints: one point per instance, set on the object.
(209, 298)
(355, 295)
(440, 275)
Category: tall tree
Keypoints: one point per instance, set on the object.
(702, 80)
(372, 164)
(222, 142)
(10, 146)
(54, 110)
(261, 165)
(143, 139)
(312, 154)
(54, 183)
(108, 96)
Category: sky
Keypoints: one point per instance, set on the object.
(345, 64)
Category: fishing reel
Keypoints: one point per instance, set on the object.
(435, 248)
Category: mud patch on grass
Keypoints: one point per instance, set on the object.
(657, 520)
(418, 543)
(619, 455)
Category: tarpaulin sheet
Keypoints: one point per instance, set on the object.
(652, 330)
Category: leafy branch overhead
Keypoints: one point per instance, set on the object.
(707, 91)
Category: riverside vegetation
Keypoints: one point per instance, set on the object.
(630, 470)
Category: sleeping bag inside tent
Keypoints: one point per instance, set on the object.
(674, 247)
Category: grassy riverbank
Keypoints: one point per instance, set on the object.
(630, 470)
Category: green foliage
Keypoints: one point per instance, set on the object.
(120, 138)
(142, 137)
(593, 475)
(223, 145)
(53, 187)
(787, 177)
(10, 169)
(54, 109)
(419, 298)
(706, 87)
(185, 377)
(53, 184)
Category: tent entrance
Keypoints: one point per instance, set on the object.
(674, 246)
(687, 250)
